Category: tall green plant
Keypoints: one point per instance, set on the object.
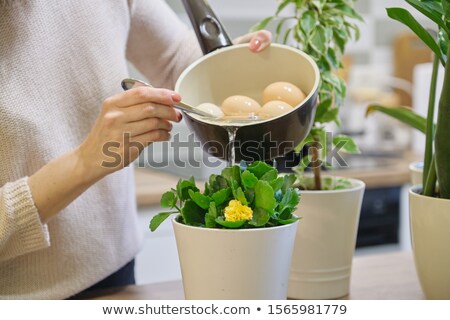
(322, 29)
(437, 148)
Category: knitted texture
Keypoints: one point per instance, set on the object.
(58, 61)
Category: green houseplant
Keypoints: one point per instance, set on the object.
(330, 207)
(243, 218)
(322, 29)
(430, 203)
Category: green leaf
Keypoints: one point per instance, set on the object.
(168, 200)
(262, 24)
(333, 59)
(250, 195)
(446, 12)
(259, 168)
(207, 189)
(264, 196)
(443, 40)
(183, 187)
(407, 19)
(286, 214)
(218, 183)
(340, 37)
(290, 200)
(323, 107)
(248, 179)
(346, 144)
(234, 187)
(210, 217)
(286, 36)
(230, 224)
(277, 184)
(221, 196)
(288, 221)
(308, 22)
(329, 116)
(241, 196)
(319, 39)
(158, 219)
(201, 200)
(260, 217)
(289, 180)
(430, 11)
(270, 175)
(282, 5)
(232, 172)
(403, 114)
(348, 11)
(193, 215)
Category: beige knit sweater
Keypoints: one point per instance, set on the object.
(58, 61)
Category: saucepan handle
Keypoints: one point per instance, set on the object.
(209, 30)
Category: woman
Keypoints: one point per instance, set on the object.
(66, 221)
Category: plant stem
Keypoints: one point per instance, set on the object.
(442, 140)
(430, 186)
(316, 165)
(430, 122)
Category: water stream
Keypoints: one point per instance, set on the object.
(232, 130)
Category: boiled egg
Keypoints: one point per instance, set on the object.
(212, 109)
(240, 105)
(274, 108)
(283, 91)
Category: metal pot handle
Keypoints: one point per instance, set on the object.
(210, 32)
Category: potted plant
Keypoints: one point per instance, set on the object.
(330, 208)
(430, 202)
(234, 239)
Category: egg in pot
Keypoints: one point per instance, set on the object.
(212, 109)
(274, 108)
(283, 91)
(240, 105)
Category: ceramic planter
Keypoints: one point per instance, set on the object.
(430, 234)
(416, 170)
(222, 264)
(325, 243)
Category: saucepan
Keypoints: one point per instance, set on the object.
(227, 70)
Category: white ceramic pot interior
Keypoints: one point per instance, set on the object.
(236, 70)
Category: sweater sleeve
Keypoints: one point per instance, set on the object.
(21, 230)
(159, 45)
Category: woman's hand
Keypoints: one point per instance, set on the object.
(258, 40)
(128, 123)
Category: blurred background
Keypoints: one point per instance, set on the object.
(388, 65)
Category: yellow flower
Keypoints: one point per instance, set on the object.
(236, 211)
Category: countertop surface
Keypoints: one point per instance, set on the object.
(386, 276)
(376, 172)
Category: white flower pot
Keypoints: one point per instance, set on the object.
(221, 264)
(430, 234)
(416, 170)
(325, 242)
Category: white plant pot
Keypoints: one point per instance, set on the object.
(325, 242)
(221, 264)
(430, 235)
(416, 170)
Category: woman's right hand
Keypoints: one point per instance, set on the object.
(128, 123)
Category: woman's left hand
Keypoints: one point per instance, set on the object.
(258, 40)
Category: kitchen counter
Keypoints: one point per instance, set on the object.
(376, 172)
(386, 276)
